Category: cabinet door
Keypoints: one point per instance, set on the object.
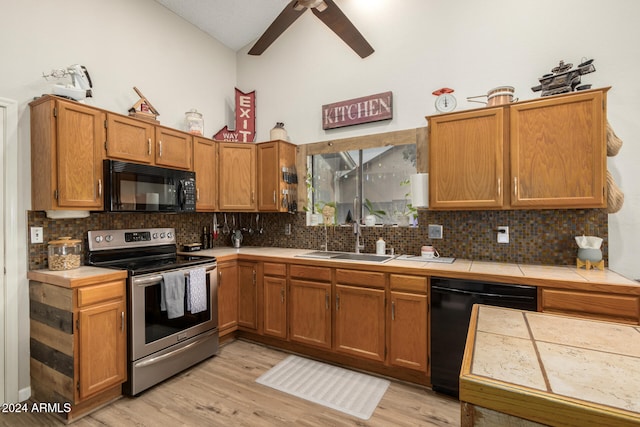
(275, 306)
(466, 158)
(102, 347)
(129, 139)
(360, 322)
(173, 149)
(204, 165)
(227, 297)
(80, 138)
(248, 296)
(408, 331)
(310, 313)
(558, 152)
(236, 176)
(269, 173)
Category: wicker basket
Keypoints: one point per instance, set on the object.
(613, 142)
(615, 197)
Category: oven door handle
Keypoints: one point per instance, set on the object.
(145, 280)
(173, 353)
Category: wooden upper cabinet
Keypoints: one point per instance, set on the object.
(206, 169)
(237, 176)
(173, 148)
(558, 152)
(545, 153)
(466, 159)
(273, 156)
(137, 141)
(130, 139)
(67, 140)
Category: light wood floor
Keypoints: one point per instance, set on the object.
(222, 392)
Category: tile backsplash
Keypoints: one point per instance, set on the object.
(535, 236)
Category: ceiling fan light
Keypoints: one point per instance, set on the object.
(318, 4)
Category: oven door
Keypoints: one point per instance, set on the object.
(151, 330)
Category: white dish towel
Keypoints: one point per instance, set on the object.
(197, 290)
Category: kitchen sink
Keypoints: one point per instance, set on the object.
(346, 256)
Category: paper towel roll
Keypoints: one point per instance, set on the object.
(420, 190)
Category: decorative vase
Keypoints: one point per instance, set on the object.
(370, 220)
(403, 220)
(589, 254)
(278, 132)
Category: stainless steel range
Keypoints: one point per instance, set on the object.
(172, 302)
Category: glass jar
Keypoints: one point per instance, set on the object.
(194, 122)
(65, 254)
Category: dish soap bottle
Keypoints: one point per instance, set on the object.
(380, 246)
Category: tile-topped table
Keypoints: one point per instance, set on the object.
(549, 369)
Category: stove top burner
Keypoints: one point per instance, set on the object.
(138, 267)
(122, 250)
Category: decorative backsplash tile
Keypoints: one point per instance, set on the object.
(536, 236)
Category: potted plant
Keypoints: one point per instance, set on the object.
(370, 219)
(403, 216)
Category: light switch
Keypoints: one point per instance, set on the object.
(36, 235)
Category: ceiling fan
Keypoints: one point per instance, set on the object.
(327, 12)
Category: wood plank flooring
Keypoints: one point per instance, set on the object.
(222, 392)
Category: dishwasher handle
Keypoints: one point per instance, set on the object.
(484, 294)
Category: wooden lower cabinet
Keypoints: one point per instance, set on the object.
(408, 331)
(227, 297)
(247, 295)
(360, 322)
(408, 322)
(594, 305)
(310, 312)
(78, 343)
(274, 288)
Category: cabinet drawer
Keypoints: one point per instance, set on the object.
(371, 279)
(311, 273)
(621, 308)
(275, 269)
(402, 282)
(98, 293)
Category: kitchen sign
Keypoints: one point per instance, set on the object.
(372, 108)
(245, 120)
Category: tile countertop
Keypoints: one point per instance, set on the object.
(537, 275)
(552, 369)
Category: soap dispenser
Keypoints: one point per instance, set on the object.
(380, 246)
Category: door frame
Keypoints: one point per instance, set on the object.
(9, 252)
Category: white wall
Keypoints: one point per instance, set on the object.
(470, 46)
(122, 43)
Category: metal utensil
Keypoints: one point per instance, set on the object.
(225, 227)
(250, 224)
(262, 227)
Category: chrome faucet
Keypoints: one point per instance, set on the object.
(356, 231)
(356, 225)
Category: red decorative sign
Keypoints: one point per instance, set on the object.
(245, 120)
(367, 109)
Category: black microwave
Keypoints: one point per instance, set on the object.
(131, 187)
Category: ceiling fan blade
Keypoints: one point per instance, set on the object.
(288, 15)
(333, 17)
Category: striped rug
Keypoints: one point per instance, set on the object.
(341, 389)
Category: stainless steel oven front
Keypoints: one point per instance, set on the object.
(160, 347)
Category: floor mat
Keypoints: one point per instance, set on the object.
(341, 389)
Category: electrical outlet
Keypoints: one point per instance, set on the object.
(287, 229)
(435, 231)
(503, 234)
(36, 235)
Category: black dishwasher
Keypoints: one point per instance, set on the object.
(451, 303)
